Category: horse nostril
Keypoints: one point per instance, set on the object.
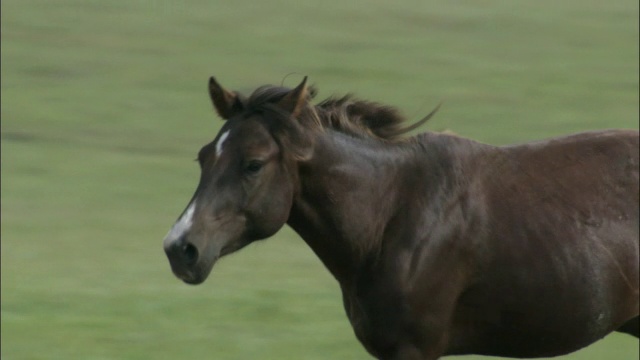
(190, 254)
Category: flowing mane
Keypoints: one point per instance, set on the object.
(347, 114)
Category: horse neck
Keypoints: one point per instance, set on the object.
(349, 192)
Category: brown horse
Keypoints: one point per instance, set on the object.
(441, 245)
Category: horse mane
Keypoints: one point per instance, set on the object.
(346, 114)
(360, 118)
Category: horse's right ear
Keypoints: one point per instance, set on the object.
(226, 103)
(295, 99)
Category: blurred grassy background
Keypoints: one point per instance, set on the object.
(104, 106)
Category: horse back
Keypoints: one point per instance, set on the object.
(590, 178)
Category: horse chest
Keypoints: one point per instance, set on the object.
(377, 318)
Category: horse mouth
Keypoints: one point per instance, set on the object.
(195, 275)
(192, 279)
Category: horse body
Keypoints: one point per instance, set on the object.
(441, 245)
(565, 224)
(494, 247)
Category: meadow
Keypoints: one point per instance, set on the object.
(104, 108)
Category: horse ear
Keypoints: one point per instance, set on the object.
(226, 103)
(295, 99)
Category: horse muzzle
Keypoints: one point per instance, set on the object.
(188, 262)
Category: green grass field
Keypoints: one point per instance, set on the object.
(104, 107)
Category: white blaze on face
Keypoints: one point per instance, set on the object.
(220, 143)
(182, 226)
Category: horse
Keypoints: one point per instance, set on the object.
(441, 245)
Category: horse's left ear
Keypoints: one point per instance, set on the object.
(226, 103)
(295, 99)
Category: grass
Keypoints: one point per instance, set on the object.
(104, 106)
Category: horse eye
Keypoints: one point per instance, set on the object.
(253, 166)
